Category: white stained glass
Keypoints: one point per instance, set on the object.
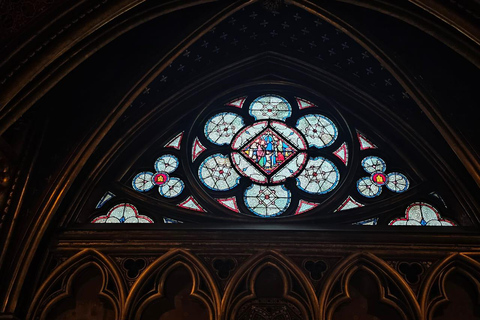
(290, 134)
(172, 188)
(319, 176)
(319, 130)
(248, 133)
(216, 172)
(270, 107)
(267, 201)
(167, 163)
(221, 128)
(143, 181)
(397, 182)
(348, 204)
(247, 169)
(421, 214)
(291, 169)
(367, 188)
(123, 213)
(374, 164)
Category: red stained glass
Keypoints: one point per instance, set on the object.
(268, 150)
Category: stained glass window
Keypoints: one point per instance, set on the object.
(422, 214)
(123, 213)
(273, 156)
(268, 151)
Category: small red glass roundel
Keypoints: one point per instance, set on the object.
(379, 178)
(160, 178)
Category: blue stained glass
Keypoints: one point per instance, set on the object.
(172, 188)
(270, 107)
(222, 127)
(320, 131)
(216, 173)
(268, 151)
(143, 181)
(373, 164)
(397, 182)
(170, 220)
(123, 213)
(367, 188)
(166, 163)
(320, 176)
(267, 201)
(106, 197)
(422, 214)
(371, 187)
(368, 222)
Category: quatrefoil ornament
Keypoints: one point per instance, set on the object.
(371, 186)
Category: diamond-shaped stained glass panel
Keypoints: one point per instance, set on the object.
(268, 151)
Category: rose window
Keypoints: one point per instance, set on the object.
(267, 152)
(273, 156)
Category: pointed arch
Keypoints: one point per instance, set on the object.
(383, 275)
(249, 272)
(438, 274)
(48, 208)
(47, 296)
(159, 270)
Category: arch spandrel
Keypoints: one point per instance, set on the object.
(384, 277)
(141, 298)
(46, 212)
(434, 295)
(236, 295)
(58, 287)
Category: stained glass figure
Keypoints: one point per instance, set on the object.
(270, 107)
(248, 133)
(106, 197)
(176, 142)
(319, 177)
(216, 172)
(290, 169)
(268, 151)
(171, 188)
(364, 142)
(123, 213)
(371, 187)
(304, 206)
(349, 203)
(342, 153)
(422, 214)
(237, 103)
(221, 128)
(170, 220)
(167, 163)
(247, 169)
(197, 149)
(191, 204)
(320, 131)
(267, 201)
(368, 222)
(304, 104)
(230, 203)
